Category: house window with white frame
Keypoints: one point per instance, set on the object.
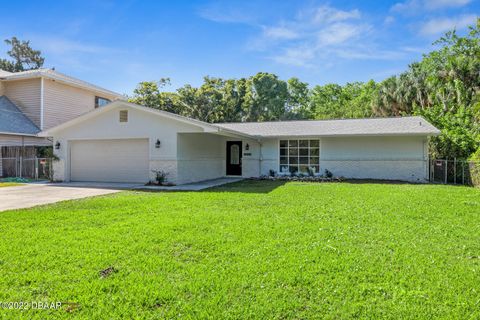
(299, 156)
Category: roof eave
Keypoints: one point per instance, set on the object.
(423, 134)
(40, 74)
(18, 134)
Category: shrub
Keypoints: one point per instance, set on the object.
(160, 176)
(328, 173)
(474, 168)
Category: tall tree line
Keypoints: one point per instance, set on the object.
(444, 87)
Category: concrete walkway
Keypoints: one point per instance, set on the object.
(30, 195)
(34, 194)
(196, 186)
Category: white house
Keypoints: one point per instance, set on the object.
(124, 142)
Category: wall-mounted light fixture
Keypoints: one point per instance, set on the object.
(247, 147)
(157, 144)
(57, 145)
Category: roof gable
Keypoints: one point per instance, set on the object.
(120, 103)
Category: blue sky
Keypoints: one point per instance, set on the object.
(117, 44)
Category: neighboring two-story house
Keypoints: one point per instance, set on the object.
(36, 100)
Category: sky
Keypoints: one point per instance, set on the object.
(117, 44)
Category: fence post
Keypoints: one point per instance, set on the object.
(446, 170)
(21, 166)
(432, 166)
(463, 172)
(35, 167)
(454, 170)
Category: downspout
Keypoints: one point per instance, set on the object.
(41, 103)
(260, 158)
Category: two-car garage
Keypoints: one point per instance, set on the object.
(115, 160)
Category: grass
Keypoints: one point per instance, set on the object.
(249, 250)
(9, 184)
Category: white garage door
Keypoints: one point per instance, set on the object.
(122, 160)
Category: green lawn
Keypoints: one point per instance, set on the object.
(250, 250)
(9, 184)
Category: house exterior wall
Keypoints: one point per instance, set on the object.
(188, 153)
(64, 102)
(25, 94)
(393, 158)
(140, 125)
(199, 157)
(250, 157)
(270, 156)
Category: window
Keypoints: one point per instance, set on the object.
(234, 154)
(123, 116)
(100, 102)
(297, 156)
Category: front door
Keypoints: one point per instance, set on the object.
(234, 158)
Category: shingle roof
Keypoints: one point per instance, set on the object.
(12, 120)
(346, 127)
(55, 75)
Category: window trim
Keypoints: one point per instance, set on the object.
(309, 165)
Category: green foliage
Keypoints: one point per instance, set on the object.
(263, 97)
(443, 88)
(24, 57)
(306, 251)
(333, 101)
(160, 176)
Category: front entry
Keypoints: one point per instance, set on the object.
(234, 158)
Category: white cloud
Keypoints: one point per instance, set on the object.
(298, 57)
(280, 33)
(321, 35)
(411, 7)
(440, 25)
(407, 7)
(339, 33)
(389, 20)
(327, 14)
(437, 4)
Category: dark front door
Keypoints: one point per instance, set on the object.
(234, 158)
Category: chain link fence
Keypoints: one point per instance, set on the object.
(455, 171)
(31, 168)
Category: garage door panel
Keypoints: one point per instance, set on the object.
(122, 160)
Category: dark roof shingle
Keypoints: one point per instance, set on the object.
(12, 120)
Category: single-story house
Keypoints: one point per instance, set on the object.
(124, 142)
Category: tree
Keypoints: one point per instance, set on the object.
(149, 94)
(444, 88)
(298, 101)
(333, 101)
(24, 57)
(268, 98)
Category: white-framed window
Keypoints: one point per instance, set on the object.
(299, 156)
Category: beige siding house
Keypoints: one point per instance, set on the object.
(124, 142)
(37, 100)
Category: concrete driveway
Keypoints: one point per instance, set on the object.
(30, 195)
